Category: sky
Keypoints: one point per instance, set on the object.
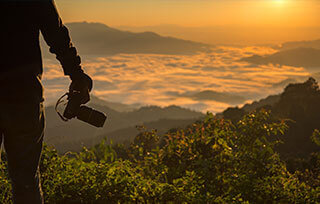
(289, 19)
(163, 80)
(194, 12)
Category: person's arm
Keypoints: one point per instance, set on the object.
(57, 37)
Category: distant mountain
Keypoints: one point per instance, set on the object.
(71, 136)
(113, 105)
(209, 95)
(230, 35)
(299, 44)
(235, 113)
(127, 135)
(294, 79)
(299, 54)
(99, 39)
(219, 96)
(269, 101)
(298, 57)
(285, 82)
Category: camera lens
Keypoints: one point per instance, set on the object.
(91, 116)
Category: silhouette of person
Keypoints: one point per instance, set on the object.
(21, 93)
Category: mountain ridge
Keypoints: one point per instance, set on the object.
(74, 134)
(296, 44)
(297, 57)
(100, 39)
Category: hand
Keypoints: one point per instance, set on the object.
(81, 83)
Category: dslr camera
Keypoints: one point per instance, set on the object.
(74, 109)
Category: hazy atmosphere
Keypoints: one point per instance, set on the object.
(154, 79)
(147, 67)
(193, 101)
(209, 21)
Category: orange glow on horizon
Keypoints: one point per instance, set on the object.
(269, 15)
(192, 12)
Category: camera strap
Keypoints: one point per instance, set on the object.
(60, 101)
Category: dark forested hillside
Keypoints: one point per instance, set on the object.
(299, 106)
(210, 161)
(74, 134)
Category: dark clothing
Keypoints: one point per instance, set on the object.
(21, 111)
(20, 59)
(21, 128)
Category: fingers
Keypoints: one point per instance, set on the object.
(83, 85)
(82, 90)
(85, 96)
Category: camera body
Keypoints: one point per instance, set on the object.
(75, 109)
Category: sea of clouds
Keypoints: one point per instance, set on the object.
(149, 79)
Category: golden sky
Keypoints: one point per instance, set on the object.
(193, 12)
(241, 22)
(162, 79)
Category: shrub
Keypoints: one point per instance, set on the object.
(212, 161)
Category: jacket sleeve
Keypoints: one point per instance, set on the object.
(57, 37)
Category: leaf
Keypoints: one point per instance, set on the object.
(315, 137)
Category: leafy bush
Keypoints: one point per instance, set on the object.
(212, 161)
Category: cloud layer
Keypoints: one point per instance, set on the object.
(149, 79)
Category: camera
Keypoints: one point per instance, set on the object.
(75, 109)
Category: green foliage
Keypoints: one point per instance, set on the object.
(212, 161)
(316, 137)
(299, 106)
(5, 187)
